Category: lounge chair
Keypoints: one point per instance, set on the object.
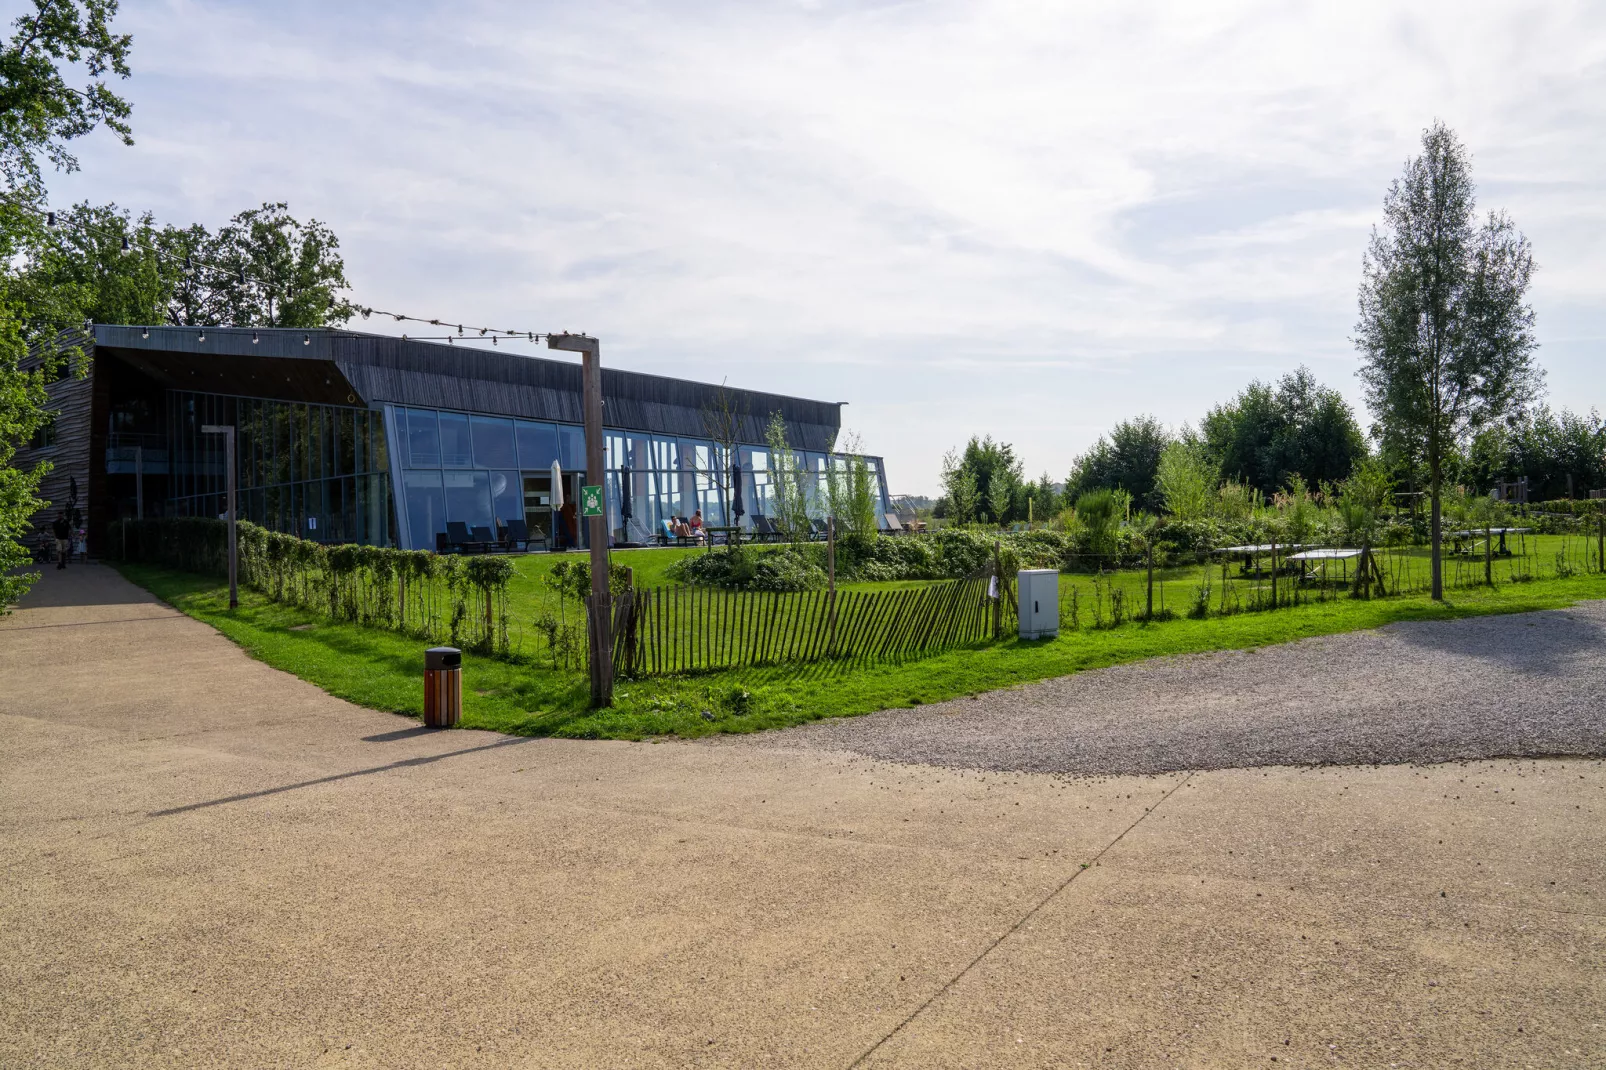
(893, 526)
(668, 535)
(818, 530)
(516, 533)
(457, 536)
(764, 528)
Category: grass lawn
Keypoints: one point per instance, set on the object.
(383, 671)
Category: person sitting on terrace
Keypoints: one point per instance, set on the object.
(696, 524)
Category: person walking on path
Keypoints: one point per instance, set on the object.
(63, 533)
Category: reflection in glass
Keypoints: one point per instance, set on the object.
(456, 449)
(426, 507)
(493, 442)
(468, 498)
(538, 444)
(423, 440)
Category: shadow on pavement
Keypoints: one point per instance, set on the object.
(403, 764)
(1547, 642)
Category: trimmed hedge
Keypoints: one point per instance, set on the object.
(447, 599)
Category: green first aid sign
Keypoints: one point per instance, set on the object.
(590, 501)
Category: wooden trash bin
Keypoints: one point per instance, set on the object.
(443, 686)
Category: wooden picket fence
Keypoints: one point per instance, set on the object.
(663, 630)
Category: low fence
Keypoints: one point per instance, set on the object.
(664, 630)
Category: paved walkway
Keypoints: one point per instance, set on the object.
(206, 862)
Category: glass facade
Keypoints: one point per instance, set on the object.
(483, 471)
(324, 472)
(318, 471)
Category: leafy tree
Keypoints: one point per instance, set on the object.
(1186, 479)
(1558, 452)
(788, 479)
(39, 115)
(1129, 460)
(273, 271)
(39, 112)
(1038, 501)
(1445, 333)
(1269, 433)
(982, 482)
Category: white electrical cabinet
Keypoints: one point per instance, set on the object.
(1039, 590)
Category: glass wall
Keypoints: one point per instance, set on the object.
(483, 471)
(318, 471)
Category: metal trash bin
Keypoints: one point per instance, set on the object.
(443, 686)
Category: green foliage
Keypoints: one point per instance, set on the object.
(789, 479)
(741, 567)
(1445, 332)
(445, 597)
(1101, 513)
(1128, 460)
(1186, 480)
(1268, 434)
(39, 112)
(982, 483)
(1556, 452)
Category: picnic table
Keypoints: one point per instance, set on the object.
(1249, 553)
(1324, 556)
(732, 532)
(1474, 534)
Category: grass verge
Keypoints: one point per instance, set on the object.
(383, 671)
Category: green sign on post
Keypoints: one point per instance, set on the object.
(590, 501)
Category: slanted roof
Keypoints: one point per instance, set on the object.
(350, 367)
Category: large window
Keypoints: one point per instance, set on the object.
(490, 472)
(486, 471)
(317, 471)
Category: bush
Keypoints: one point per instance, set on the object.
(748, 568)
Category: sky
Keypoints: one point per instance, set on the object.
(1024, 220)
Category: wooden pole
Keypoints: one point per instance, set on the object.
(830, 577)
(998, 602)
(1488, 557)
(1148, 552)
(1600, 545)
(1274, 572)
(591, 382)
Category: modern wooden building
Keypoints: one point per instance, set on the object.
(352, 437)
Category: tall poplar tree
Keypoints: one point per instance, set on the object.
(1445, 332)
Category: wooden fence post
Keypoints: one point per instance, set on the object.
(1600, 544)
(830, 565)
(1274, 572)
(1148, 552)
(998, 586)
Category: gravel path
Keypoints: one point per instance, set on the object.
(1523, 684)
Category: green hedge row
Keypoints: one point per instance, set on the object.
(447, 599)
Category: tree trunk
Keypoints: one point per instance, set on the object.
(1435, 533)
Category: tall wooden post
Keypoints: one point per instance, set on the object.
(1600, 544)
(830, 576)
(600, 629)
(139, 482)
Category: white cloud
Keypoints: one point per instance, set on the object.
(962, 217)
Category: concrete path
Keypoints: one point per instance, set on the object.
(205, 862)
